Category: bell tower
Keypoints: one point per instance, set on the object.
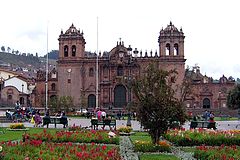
(171, 42)
(71, 44)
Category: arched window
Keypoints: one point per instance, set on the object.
(91, 72)
(120, 96)
(73, 50)
(91, 101)
(120, 71)
(206, 103)
(65, 51)
(53, 87)
(175, 51)
(167, 49)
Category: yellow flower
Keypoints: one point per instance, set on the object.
(1, 148)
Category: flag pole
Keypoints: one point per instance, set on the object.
(46, 83)
(97, 69)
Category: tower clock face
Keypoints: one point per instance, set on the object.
(69, 70)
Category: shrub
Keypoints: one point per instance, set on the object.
(147, 146)
(125, 129)
(17, 126)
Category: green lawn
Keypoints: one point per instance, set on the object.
(188, 149)
(225, 119)
(158, 157)
(140, 136)
(16, 135)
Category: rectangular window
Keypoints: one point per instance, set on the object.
(69, 80)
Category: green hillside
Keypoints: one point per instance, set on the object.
(19, 60)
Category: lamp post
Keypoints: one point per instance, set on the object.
(219, 99)
(22, 101)
(129, 79)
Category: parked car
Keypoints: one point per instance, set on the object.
(81, 111)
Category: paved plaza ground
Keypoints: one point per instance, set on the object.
(221, 125)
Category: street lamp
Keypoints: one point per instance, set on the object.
(129, 79)
(22, 99)
(219, 99)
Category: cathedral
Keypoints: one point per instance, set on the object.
(104, 79)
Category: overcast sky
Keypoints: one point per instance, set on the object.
(211, 27)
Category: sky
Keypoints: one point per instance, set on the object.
(211, 27)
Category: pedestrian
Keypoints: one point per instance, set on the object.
(99, 114)
(103, 114)
(37, 119)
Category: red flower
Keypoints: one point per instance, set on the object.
(104, 147)
(79, 154)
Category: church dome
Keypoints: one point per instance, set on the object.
(170, 29)
(72, 30)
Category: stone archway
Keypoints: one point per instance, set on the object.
(91, 101)
(206, 103)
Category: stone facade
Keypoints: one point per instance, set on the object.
(208, 94)
(77, 68)
(77, 73)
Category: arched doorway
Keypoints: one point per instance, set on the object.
(206, 103)
(120, 96)
(92, 101)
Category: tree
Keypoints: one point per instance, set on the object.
(186, 87)
(66, 102)
(83, 99)
(157, 108)
(233, 98)
(54, 103)
(3, 49)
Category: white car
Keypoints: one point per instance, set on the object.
(83, 111)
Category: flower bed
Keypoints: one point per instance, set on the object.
(147, 146)
(17, 126)
(35, 149)
(203, 136)
(124, 129)
(217, 153)
(81, 136)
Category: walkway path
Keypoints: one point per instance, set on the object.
(221, 125)
(126, 149)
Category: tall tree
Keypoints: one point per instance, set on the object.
(66, 102)
(233, 98)
(157, 108)
(54, 104)
(3, 49)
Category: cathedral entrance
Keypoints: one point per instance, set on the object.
(206, 103)
(120, 96)
(91, 101)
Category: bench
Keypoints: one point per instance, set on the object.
(203, 124)
(106, 122)
(55, 121)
